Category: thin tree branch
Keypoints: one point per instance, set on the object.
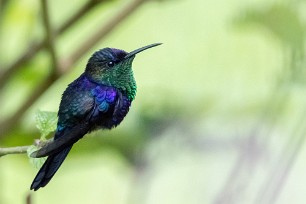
(37, 46)
(23, 149)
(78, 15)
(13, 150)
(278, 175)
(13, 68)
(49, 36)
(66, 65)
(7, 125)
(29, 199)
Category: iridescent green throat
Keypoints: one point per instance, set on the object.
(120, 76)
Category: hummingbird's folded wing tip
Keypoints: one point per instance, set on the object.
(34, 154)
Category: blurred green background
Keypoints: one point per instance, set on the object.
(219, 115)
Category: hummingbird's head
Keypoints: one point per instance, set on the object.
(113, 67)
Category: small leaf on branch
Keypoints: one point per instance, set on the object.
(46, 122)
(36, 162)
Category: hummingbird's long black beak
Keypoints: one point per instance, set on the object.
(130, 54)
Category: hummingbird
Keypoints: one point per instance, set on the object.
(99, 98)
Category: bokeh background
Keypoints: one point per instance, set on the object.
(219, 116)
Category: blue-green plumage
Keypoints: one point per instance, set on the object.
(99, 99)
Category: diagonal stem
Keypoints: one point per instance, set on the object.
(34, 48)
(49, 36)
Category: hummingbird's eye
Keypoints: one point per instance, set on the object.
(110, 64)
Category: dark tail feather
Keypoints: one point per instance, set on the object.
(49, 168)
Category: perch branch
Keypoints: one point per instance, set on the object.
(23, 149)
(13, 150)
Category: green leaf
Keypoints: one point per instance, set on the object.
(36, 162)
(46, 122)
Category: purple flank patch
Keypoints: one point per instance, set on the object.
(110, 95)
(104, 97)
(101, 96)
(86, 82)
(95, 91)
(103, 107)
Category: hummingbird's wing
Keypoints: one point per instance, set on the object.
(69, 138)
(57, 151)
(75, 111)
(82, 109)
